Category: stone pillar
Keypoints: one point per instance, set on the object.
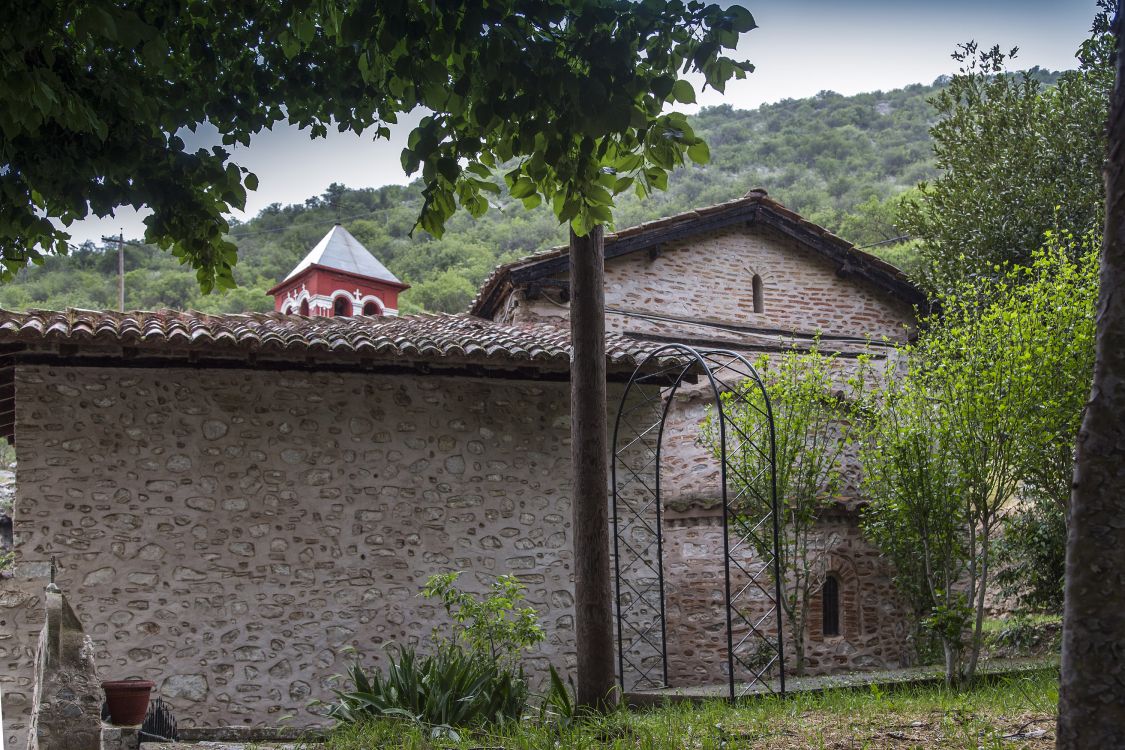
(68, 696)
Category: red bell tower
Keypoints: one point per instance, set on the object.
(338, 278)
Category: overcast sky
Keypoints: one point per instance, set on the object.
(800, 48)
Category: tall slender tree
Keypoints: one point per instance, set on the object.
(1092, 690)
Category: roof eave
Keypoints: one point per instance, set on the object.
(753, 210)
(401, 286)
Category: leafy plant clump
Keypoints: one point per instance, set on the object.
(472, 678)
(449, 689)
(1031, 556)
(1025, 636)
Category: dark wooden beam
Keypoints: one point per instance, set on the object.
(843, 256)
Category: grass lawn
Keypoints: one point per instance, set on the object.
(1017, 712)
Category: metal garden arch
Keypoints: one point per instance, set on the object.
(749, 514)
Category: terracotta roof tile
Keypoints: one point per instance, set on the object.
(441, 338)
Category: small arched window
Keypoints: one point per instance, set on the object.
(759, 303)
(830, 606)
(341, 307)
(304, 307)
(370, 308)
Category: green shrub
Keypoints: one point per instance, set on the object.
(1032, 556)
(493, 624)
(472, 679)
(451, 688)
(1027, 635)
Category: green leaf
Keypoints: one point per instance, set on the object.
(154, 51)
(683, 92)
(699, 152)
(522, 188)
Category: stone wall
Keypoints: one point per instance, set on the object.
(874, 620)
(228, 534)
(710, 281)
(22, 616)
(874, 626)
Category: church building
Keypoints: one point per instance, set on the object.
(339, 278)
(235, 504)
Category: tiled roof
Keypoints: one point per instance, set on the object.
(340, 250)
(755, 207)
(422, 338)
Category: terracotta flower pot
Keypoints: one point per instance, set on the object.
(127, 700)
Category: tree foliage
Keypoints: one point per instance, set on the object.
(774, 145)
(1017, 159)
(917, 518)
(1031, 556)
(1052, 306)
(572, 92)
(999, 379)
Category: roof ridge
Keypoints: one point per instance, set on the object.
(340, 250)
(887, 276)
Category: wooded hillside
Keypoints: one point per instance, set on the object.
(840, 161)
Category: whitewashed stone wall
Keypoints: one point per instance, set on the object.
(229, 534)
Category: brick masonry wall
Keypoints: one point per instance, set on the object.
(228, 533)
(709, 281)
(874, 627)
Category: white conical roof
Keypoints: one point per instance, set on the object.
(340, 250)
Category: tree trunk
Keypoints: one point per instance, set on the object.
(978, 605)
(952, 662)
(593, 603)
(800, 620)
(1092, 689)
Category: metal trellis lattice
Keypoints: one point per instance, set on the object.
(741, 438)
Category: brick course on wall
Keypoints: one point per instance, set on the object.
(709, 279)
(228, 534)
